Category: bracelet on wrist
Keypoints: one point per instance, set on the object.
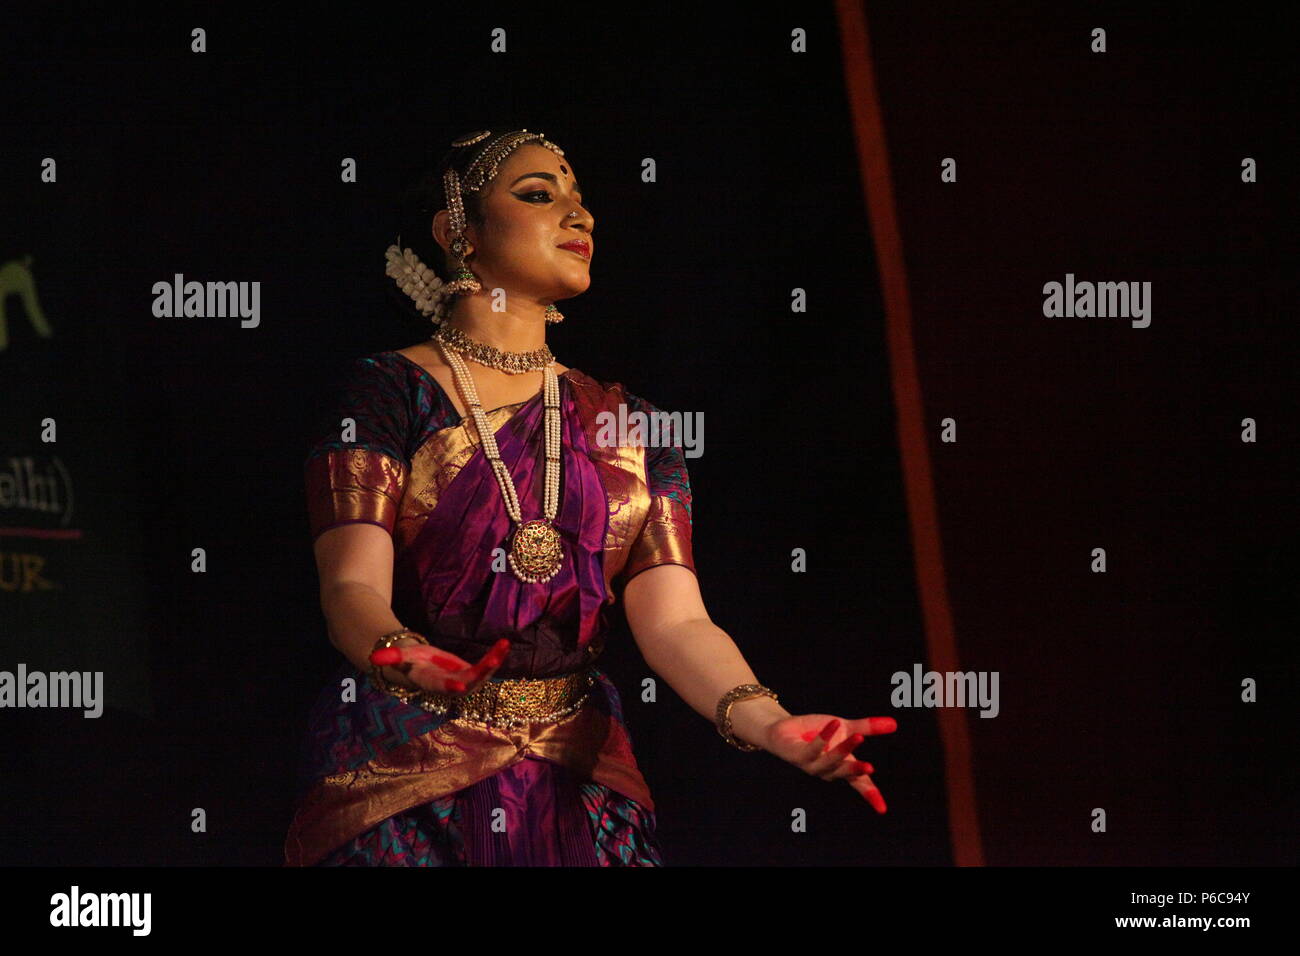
(735, 696)
(404, 694)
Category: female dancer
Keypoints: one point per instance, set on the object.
(473, 522)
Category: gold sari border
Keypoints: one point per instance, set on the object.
(665, 538)
(436, 464)
(449, 758)
(356, 484)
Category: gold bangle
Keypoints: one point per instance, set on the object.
(376, 672)
(392, 637)
(733, 696)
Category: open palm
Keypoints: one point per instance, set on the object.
(822, 745)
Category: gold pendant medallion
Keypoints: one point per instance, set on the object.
(535, 552)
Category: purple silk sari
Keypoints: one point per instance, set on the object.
(387, 783)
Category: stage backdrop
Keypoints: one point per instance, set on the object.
(1115, 511)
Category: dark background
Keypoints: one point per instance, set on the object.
(1118, 690)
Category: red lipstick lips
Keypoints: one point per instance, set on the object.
(579, 246)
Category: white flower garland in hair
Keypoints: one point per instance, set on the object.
(418, 281)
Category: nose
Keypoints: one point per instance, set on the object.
(583, 220)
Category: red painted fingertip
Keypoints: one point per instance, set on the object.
(455, 686)
(808, 737)
(877, 801)
(865, 767)
(829, 730)
(489, 665)
(882, 725)
(386, 656)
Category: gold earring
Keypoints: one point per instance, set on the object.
(463, 282)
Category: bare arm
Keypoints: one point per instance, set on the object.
(355, 563)
(680, 642)
(698, 659)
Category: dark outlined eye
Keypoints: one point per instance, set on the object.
(546, 197)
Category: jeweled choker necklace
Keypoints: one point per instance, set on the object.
(512, 363)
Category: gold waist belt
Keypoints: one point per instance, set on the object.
(513, 702)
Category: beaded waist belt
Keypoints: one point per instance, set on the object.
(510, 702)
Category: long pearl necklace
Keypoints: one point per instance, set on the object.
(535, 553)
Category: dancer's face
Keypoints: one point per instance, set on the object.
(527, 220)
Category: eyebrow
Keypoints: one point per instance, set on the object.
(551, 177)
